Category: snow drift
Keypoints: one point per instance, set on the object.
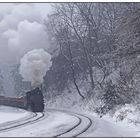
(33, 66)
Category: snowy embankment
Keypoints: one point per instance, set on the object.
(9, 114)
(126, 118)
(125, 122)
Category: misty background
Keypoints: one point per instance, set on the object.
(21, 30)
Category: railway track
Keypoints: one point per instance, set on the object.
(27, 121)
(79, 128)
(86, 128)
(31, 115)
(69, 130)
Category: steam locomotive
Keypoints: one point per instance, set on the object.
(32, 101)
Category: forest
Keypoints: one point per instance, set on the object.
(98, 48)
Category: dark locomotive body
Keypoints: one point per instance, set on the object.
(33, 101)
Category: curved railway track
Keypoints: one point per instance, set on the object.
(5, 124)
(36, 117)
(81, 124)
(70, 132)
(73, 127)
(86, 128)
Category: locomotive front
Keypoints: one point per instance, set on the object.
(35, 100)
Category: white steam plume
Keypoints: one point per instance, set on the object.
(33, 66)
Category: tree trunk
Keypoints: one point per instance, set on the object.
(89, 66)
(73, 72)
(74, 81)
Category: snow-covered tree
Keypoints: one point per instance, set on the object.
(103, 36)
(20, 86)
(1, 84)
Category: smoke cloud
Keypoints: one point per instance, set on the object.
(21, 30)
(33, 66)
(27, 37)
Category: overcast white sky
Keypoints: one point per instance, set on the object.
(44, 8)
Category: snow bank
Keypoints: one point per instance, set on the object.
(128, 115)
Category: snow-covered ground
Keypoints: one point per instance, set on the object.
(58, 122)
(8, 114)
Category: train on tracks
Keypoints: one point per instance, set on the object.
(32, 101)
